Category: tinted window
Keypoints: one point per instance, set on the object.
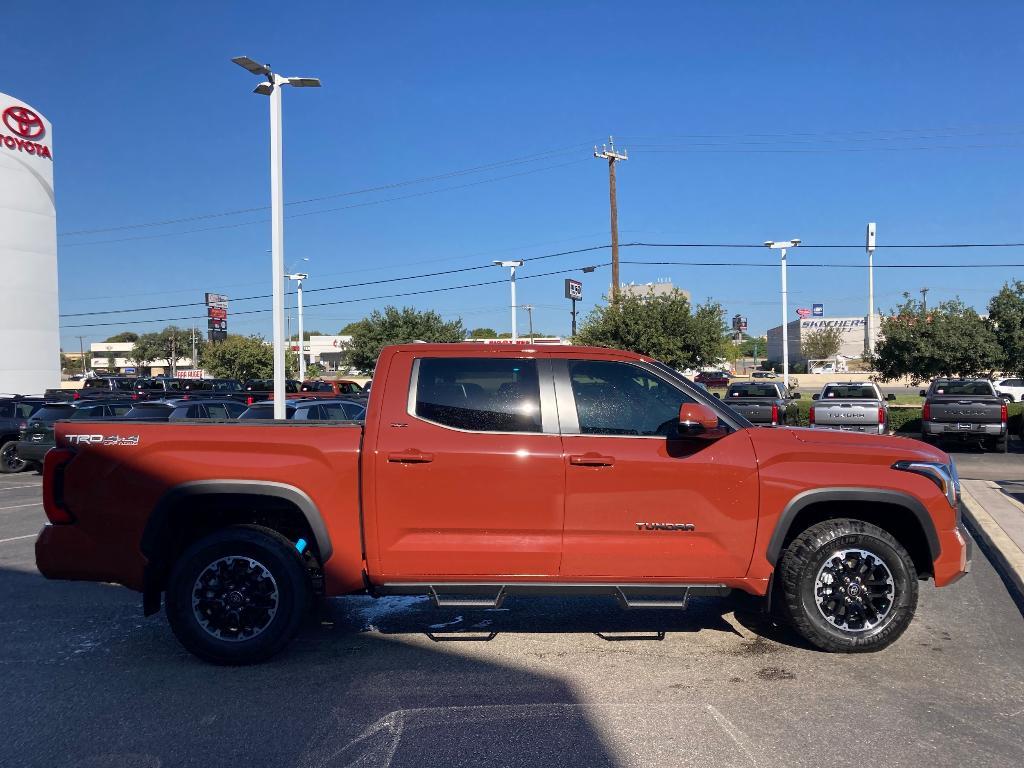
(53, 412)
(218, 411)
(753, 390)
(264, 413)
(96, 384)
(119, 410)
(334, 411)
(355, 412)
(93, 412)
(195, 412)
(25, 410)
(317, 386)
(6, 410)
(479, 394)
(952, 387)
(227, 386)
(622, 399)
(848, 391)
(349, 388)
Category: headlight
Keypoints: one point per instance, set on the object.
(943, 475)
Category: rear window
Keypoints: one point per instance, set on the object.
(53, 412)
(753, 390)
(849, 392)
(264, 412)
(96, 384)
(952, 387)
(479, 394)
(317, 386)
(87, 412)
(25, 410)
(226, 386)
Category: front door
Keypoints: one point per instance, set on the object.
(469, 481)
(641, 502)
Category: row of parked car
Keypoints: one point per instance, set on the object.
(27, 422)
(964, 410)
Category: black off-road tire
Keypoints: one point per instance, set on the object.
(809, 558)
(246, 568)
(9, 461)
(1002, 444)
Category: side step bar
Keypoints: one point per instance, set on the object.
(493, 594)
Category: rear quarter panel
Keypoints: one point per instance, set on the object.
(113, 489)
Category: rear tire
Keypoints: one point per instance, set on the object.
(1002, 444)
(9, 461)
(848, 586)
(238, 595)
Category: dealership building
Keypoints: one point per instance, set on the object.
(29, 332)
(854, 332)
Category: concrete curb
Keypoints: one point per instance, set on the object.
(1008, 557)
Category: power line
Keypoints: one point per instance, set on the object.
(576, 251)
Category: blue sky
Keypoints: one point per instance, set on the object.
(743, 122)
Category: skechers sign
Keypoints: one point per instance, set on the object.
(26, 126)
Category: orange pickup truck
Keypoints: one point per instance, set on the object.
(482, 472)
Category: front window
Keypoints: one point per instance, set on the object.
(615, 398)
(479, 394)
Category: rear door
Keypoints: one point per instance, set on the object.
(627, 473)
(468, 473)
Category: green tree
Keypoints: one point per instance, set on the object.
(314, 371)
(663, 327)
(483, 333)
(1006, 316)
(169, 344)
(398, 326)
(123, 337)
(349, 329)
(239, 357)
(822, 343)
(947, 340)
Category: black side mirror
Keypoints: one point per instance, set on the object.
(890, 397)
(796, 396)
(923, 393)
(718, 395)
(815, 397)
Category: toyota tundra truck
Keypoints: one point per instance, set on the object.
(856, 406)
(482, 472)
(965, 410)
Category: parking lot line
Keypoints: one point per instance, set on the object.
(19, 538)
(16, 487)
(22, 506)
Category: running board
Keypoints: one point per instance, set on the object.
(492, 594)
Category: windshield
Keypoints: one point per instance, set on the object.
(954, 387)
(849, 391)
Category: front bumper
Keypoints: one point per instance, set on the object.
(32, 451)
(962, 430)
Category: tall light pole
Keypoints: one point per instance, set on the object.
(870, 246)
(272, 87)
(782, 246)
(512, 265)
(298, 277)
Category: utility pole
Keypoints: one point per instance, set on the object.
(608, 153)
(298, 277)
(193, 348)
(81, 352)
(529, 314)
(924, 299)
(174, 355)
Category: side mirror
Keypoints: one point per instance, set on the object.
(796, 396)
(923, 393)
(815, 396)
(717, 395)
(697, 420)
(890, 397)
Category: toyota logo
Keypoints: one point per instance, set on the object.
(24, 122)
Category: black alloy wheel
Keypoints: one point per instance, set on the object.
(9, 461)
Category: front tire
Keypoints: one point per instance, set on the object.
(848, 586)
(238, 595)
(9, 461)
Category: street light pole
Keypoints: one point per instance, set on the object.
(272, 87)
(782, 247)
(870, 245)
(298, 277)
(529, 314)
(512, 265)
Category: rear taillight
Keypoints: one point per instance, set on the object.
(810, 415)
(76, 396)
(1003, 412)
(775, 414)
(135, 396)
(881, 416)
(926, 412)
(250, 400)
(54, 463)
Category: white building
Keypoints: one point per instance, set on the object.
(327, 351)
(854, 336)
(115, 358)
(29, 332)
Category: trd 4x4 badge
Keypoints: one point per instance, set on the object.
(102, 440)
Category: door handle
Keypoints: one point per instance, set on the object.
(592, 460)
(412, 456)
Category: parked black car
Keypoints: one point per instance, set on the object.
(309, 410)
(15, 412)
(96, 388)
(37, 437)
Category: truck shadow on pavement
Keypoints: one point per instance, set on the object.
(127, 695)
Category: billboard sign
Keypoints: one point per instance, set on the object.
(739, 323)
(216, 316)
(573, 289)
(817, 310)
(803, 312)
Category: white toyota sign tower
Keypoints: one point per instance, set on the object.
(29, 324)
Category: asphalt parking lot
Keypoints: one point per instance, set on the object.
(87, 681)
